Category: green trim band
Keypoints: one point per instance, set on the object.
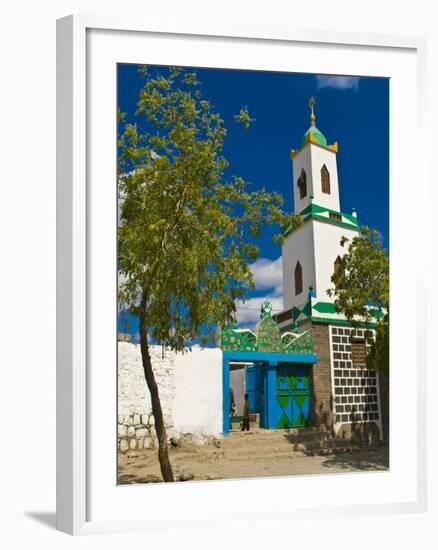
(328, 321)
(312, 211)
(334, 222)
(330, 221)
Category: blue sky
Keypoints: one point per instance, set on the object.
(354, 111)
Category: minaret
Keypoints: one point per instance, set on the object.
(311, 251)
(315, 172)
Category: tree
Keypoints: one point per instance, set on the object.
(361, 290)
(183, 247)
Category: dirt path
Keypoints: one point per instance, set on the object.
(259, 453)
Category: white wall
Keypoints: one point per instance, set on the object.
(190, 387)
(197, 408)
(302, 161)
(327, 239)
(312, 158)
(319, 157)
(298, 246)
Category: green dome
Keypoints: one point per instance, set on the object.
(316, 135)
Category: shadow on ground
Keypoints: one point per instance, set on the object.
(127, 479)
(369, 460)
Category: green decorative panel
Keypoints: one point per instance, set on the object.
(267, 337)
(283, 400)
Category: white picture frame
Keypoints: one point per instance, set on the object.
(76, 214)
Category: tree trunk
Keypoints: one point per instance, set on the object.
(163, 452)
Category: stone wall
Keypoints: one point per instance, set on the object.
(355, 388)
(190, 389)
(322, 404)
(135, 419)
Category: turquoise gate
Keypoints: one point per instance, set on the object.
(279, 383)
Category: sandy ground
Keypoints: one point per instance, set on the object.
(258, 453)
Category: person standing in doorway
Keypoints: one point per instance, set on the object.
(232, 408)
(245, 421)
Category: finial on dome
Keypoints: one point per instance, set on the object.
(312, 114)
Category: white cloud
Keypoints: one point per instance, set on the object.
(268, 274)
(339, 82)
(248, 312)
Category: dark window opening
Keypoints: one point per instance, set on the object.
(359, 353)
(302, 184)
(298, 279)
(335, 216)
(325, 180)
(338, 263)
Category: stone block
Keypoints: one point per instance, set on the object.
(151, 420)
(131, 431)
(124, 445)
(132, 444)
(140, 444)
(136, 419)
(122, 430)
(148, 443)
(141, 433)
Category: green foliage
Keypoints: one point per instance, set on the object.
(361, 287)
(183, 239)
(244, 118)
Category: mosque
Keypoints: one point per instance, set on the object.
(302, 368)
(322, 381)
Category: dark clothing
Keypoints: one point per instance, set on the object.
(245, 421)
(232, 402)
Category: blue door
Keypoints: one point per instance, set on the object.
(253, 388)
(292, 404)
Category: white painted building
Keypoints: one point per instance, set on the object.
(309, 253)
(346, 395)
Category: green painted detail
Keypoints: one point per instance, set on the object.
(284, 422)
(267, 338)
(328, 321)
(313, 208)
(307, 310)
(331, 221)
(377, 313)
(319, 136)
(312, 211)
(300, 420)
(300, 399)
(325, 307)
(335, 321)
(283, 400)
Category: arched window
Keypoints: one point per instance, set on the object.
(325, 180)
(338, 263)
(302, 184)
(298, 279)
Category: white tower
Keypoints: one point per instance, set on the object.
(310, 252)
